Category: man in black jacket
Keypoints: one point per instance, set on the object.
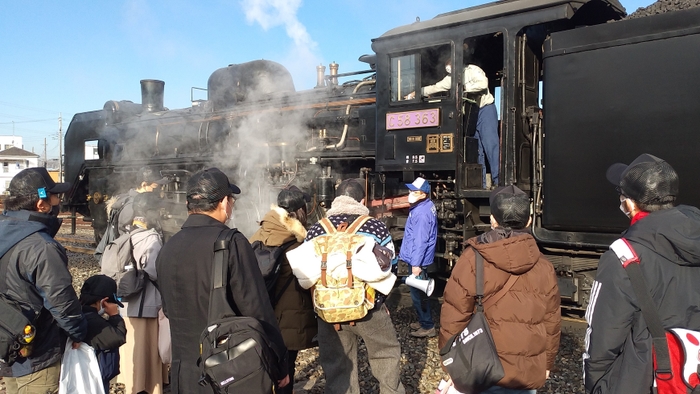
(184, 268)
(34, 272)
(618, 357)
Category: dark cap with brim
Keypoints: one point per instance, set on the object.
(647, 180)
(211, 185)
(36, 180)
(98, 287)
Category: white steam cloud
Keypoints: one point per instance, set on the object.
(302, 58)
(273, 13)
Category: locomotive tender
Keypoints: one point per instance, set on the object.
(576, 95)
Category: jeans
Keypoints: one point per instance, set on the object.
(503, 390)
(421, 303)
(338, 353)
(489, 143)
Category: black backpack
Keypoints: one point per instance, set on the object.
(270, 260)
(16, 331)
(236, 354)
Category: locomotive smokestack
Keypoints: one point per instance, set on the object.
(152, 95)
(320, 74)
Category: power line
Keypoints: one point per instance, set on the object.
(29, 121)
(5, 103)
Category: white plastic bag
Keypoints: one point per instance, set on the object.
(80, 371)
(164, 343)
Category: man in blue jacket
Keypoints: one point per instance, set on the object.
(418, 249)
(34, 273)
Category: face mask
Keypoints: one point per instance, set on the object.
(413, 198)
(623, 208)
(101, 311)
(448, 68)
(54, 210)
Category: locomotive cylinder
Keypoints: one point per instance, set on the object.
(152, 95)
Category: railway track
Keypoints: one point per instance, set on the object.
(77, 244)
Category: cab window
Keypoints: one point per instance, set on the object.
(403, 76)
(422, 74)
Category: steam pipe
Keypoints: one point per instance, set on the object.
(341, 143)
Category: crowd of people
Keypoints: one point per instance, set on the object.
(179, 278)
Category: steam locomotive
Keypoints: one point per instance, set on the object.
(577, 90)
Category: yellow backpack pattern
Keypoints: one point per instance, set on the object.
(339, 300)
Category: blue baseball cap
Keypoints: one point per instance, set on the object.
(419, 184)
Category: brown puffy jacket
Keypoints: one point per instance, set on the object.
(525, 323)
(294, 310)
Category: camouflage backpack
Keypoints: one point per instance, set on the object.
(338, 300)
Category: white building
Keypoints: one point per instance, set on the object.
(8, 141)
(14, 160)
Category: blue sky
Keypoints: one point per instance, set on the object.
(71, 57)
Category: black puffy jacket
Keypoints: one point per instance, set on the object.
(618, 343)
(38, 278)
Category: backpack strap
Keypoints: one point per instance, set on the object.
(480, 285)
(631, 263)
(218, 302)
(353, 229)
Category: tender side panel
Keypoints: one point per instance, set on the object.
(611, 93)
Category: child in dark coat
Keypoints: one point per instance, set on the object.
(98, 298)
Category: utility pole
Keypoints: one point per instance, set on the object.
(45, 158)
(60, 148)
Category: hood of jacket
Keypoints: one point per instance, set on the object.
(670, 232)
(278, 228)
(513, 254)
(346, 205)
(17, 225)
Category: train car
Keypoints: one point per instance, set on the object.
(576, 89)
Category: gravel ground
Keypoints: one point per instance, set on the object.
(420, 359)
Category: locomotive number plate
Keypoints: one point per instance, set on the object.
(413, 119)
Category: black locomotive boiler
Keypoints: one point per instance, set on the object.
(576, 94)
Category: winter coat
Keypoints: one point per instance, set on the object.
(147, 303)
(420, 236)
(184, 268)
(345, 209)
(38, 278)
(618, 346)
(525, 323)
(294, 309)
(105, 336)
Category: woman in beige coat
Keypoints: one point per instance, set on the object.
(294, 309)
